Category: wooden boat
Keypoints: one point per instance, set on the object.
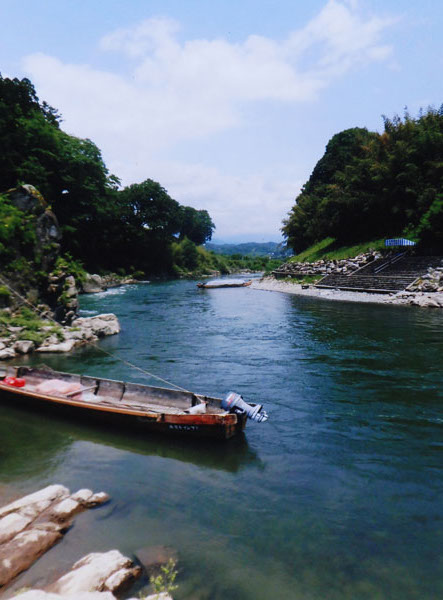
(125, 404)
(224, 283)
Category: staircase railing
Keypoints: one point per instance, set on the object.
(390, 261)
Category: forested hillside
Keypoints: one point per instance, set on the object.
(138, 228)
(271, 249)
(370, 185)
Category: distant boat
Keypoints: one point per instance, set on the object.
(131, 405)
(224, 283)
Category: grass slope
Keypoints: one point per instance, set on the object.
(328, 249)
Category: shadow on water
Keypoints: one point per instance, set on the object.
(49, 434)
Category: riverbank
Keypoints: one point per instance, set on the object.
(24, 333)
(270, 284)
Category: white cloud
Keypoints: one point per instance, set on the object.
(237, 205)
(177, 91)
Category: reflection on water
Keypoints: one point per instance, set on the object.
(48, 435)
(337, 496)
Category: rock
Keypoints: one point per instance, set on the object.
(7, 353)
(19, 553)
(65, 509)
(41, 595)
(99, 325)
(122, 579)
(97, 499)
(28, 199)
(38, 501)
(93, 284)
(24, 346)
(94, 573)
(48, 233)
(11, 525)
(65, 346)
(82, 496)
(33, 524)
(14, 329)
(154, 557)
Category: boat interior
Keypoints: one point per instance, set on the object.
(129, 396)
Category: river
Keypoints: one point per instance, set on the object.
(338, 496)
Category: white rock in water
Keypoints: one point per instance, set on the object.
(93, 284)
(91, 572)
(18, 554)
(11, 525)
(65, 509)
(24, 346)
(117, 580)
(7, 353)
(96, 499)
(82, 496)
(65, 346)
(47, 494)
(100, 325)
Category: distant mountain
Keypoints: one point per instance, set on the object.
(271, 249)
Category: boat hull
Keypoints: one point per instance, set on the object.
(208, 286)
(215, 426)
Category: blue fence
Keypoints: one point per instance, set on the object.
(399, 242)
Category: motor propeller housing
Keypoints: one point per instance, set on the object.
(234, 403)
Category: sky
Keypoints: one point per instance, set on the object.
(228, 105)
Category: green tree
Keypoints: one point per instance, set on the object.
(196, 225)
(103, 227)
(148, 205)
(370, 185)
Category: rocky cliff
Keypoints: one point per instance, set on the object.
(29, 269)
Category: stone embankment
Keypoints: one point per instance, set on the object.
(326, 267)
(31, 525)
(431, 282)
(13, 342)
(426, 291)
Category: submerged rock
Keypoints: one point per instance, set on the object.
(154, 557)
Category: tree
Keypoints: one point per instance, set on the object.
(196, 225)
(148, 205)
(369, 185)
(103, 227)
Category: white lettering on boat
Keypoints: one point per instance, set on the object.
(184, 427)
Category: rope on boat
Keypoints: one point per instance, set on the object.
(144, 371)
(93, 343)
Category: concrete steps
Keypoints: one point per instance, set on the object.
(383, 276)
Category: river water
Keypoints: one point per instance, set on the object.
(338, 496)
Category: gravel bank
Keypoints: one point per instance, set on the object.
(269, 284)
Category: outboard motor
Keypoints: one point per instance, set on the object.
(235, 403)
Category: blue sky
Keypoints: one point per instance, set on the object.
(228, 105)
